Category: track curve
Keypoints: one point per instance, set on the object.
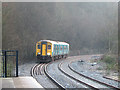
(66, 70)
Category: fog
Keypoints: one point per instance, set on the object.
(89, 28)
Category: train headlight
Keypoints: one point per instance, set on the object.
(38, 53)
(48, 53)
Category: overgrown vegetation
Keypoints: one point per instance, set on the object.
(111, 62)
(10, 69)
(11, 65)
(108, 64)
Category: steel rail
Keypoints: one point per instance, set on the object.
(33, 70)
(37, 69)
(43, 67)
(52, 79)
(111, 79)
(91, 78)
(91, 87)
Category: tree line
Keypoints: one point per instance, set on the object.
(89, 28)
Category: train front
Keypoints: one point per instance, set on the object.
(44, 51)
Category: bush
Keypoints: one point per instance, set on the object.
(111, 62)
(109, 59)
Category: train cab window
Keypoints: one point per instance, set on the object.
(49, 46)
(38, 46)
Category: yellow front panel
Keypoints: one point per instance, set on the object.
(44, 49)
(49, 50)
(38, 50)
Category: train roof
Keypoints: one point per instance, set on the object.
(55, 42)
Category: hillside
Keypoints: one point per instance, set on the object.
(89, 28)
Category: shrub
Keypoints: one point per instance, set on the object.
(108, 59)
(111, 62)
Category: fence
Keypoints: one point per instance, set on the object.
(8, 63)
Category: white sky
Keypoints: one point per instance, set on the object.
(60, 0)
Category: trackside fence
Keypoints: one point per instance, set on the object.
(8, 63)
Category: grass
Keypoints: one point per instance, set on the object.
(108, 63)
(0, 70)
(10, 68)
(99, 68)
(111, 62)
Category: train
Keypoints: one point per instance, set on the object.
(48, 50)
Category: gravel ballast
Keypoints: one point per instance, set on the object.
(80, 68)
(61, 78)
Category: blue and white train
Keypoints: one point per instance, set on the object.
(48, 50)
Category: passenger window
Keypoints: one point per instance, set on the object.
(38, 46)
(64, 47)
(49, 46)
(61, 47)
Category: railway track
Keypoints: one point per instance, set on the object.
(55, 81)
(89, 86)
(37, 69)
(111, 79)
(41, 69)
(86, 77)
(111, 86)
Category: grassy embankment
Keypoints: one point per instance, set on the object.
(111, 63)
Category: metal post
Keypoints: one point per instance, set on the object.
(16, 63)
(5, 64)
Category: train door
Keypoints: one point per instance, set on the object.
(43, 49)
